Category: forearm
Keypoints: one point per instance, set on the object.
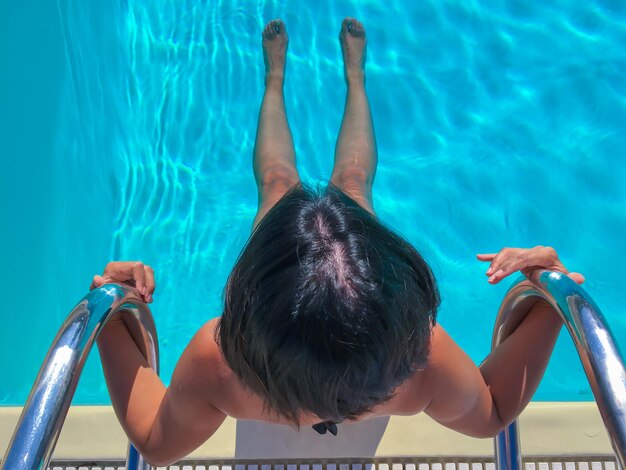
(135, 389)
(514, 369)
(163, 423)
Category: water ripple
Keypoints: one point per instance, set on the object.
(498, 123)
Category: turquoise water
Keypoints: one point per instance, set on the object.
(127, 133)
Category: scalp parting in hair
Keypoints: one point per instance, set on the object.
(327, 310)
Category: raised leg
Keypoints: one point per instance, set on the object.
(356, 155)
(274, 160)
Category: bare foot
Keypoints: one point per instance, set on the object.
(353, 45)
(275, 40)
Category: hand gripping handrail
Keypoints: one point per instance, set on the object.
(43, 415)
(598, 351)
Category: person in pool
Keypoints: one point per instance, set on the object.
(329, 315)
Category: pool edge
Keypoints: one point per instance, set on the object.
(547, 429)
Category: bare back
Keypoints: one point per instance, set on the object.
(224, 391)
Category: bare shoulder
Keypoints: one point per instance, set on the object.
(458, 389)
(211, 380)
(444, 351)
(203, 365)
(429, 389)
(415, 394)
(447, 363)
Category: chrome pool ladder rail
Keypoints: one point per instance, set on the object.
(46, 408)
(43, 415)
(598, 351)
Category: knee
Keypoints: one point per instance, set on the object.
(352, 178)
(278, 178)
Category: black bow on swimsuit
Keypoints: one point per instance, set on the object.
(326, 426)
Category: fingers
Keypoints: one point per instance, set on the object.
(133, 273)
(139, 276)
(150, 284)
(497, 260)
(512, 260)
(97, 282)
(509, 260)
(505, 269)
(494, 268)
(577, 277)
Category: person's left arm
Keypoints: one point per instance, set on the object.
(481, 401)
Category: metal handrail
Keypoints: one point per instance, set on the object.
(43, 415)
(598, 351)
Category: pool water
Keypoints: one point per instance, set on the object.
(128, 130)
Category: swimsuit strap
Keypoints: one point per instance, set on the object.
(326, 426)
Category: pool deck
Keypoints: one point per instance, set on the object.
(546, 429)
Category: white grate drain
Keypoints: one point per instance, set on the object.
(541, 463)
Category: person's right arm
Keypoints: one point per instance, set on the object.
(164, 423)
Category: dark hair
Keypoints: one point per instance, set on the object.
(326, 311)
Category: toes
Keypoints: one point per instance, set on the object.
(357, 28)
(352, 26)
(268, 31)
(273, 28)
(278, 26)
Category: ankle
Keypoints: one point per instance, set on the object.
(274, 80)
(355, 78)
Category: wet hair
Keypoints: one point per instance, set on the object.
(327, 310)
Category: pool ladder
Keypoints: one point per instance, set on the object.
(43, 415)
